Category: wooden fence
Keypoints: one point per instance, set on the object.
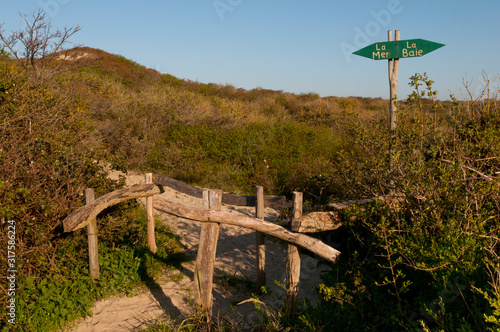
(211, 217)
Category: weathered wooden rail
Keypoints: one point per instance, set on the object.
(211, 217)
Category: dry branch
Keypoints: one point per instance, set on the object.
(346, 204)
(178, 186)
(301, 240)
(239, 200)
(317, 222)
(80, 218)
(228, 199)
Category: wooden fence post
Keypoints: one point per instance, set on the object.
(293, 259)
(150, 217)
(260, 241)
(205, 259)
(92, 238)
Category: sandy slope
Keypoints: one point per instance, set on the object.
(235, 256)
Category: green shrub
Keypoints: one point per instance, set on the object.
(421, 262)
(66, 292)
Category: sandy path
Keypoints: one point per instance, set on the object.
(235, 257)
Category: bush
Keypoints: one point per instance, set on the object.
(428, 260)
(66, 292)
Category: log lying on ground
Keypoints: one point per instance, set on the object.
(327, 221)
(317, 222)
(179, 186)
(228, 199)
(277, 202)
(81, 217)
(346, 204)
(298, 239)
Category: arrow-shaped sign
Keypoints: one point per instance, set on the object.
(398, 49)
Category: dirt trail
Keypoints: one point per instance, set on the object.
(235, 257)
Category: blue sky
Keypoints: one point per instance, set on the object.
(296, 46)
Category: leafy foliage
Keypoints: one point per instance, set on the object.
(421, 261)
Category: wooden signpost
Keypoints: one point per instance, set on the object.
(393, 50)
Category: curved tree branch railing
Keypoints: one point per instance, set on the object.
(81, 217)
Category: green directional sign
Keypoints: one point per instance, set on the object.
(398, 49)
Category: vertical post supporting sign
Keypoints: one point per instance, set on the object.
(393, 91)
(393, 83)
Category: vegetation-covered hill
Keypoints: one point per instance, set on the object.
(429, 262)
(211, 134)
